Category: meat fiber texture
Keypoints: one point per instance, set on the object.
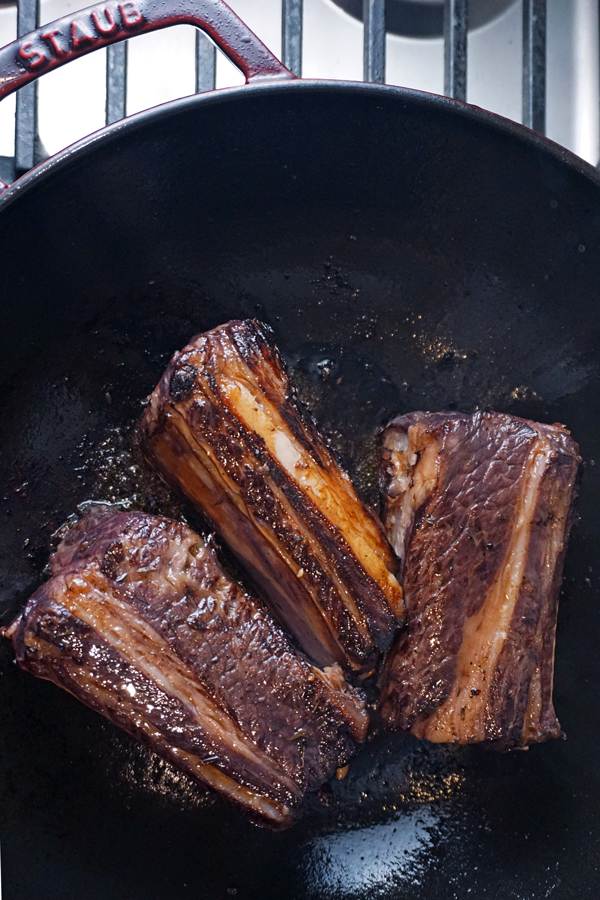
(479, 509)
(224, 427)
(140, 623)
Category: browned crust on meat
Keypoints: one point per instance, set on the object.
(225, 428)
(140, 623)
(483, 547)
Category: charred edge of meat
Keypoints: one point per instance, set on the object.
(55, 645)
(241, 449)
(480, 509)
(181, 385)
(231, 704)
(271, 380)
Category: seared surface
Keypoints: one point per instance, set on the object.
(479, 509)
(140, 622)
(225, 428)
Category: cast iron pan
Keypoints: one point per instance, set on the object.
(410, 253)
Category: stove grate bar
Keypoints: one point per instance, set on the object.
(27, 146)
(206, 63)
(116, 82)
(456, 28)
(291, 35)
(374, 41)
(534, 64)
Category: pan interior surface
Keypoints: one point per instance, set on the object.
(409, 254)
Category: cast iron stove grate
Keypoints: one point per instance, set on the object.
(29, 150)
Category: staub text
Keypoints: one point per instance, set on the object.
(88, 28)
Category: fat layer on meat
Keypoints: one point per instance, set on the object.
(140, 623)
(478, 509)
(225, 428)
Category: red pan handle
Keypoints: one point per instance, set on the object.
(97, 26)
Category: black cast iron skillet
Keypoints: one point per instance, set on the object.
(410, 252)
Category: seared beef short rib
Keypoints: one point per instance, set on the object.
(479, 509)
(140, 623)
(225, 428)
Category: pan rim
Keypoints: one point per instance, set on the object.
(80, 149)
